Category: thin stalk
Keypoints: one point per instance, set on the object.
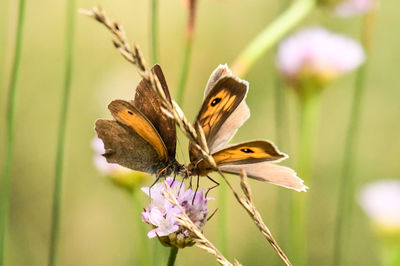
(185, 71)
(281, 138)
(172, 256)
(62, 126)
(272, 34)
(10, 132)
(309, 107)
(192, 6)
(347, 180)
(222, 232)
(154, 31)
(146, 256)
(3, 40)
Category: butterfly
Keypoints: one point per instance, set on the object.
(223, 111)
(142, 137)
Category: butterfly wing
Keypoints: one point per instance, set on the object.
(268, 172)
(127, 114)
(218, 73)
(149, 104)
(125, 147)
(220, 103)
(248, 152)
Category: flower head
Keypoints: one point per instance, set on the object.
(161, 213)
(353, 7)
(381, 201)
(120, 175)
(317, 56)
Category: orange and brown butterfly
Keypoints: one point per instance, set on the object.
(142, 137)
(223, 111)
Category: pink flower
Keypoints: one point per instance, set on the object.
(160, 213)
(353, 7)
(120, 175)
(101, 163)
(381, 201)
(317, 55)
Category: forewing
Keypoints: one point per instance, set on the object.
(268, 172)
(149, 104)
(230, 127)
(219, 104)
(129, 115)
(218, 73)
(125, 147)
(248, 152)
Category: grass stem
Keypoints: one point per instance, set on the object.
(271, 35)
(10, 132)
(347, 180)
(154, 31)
(192, 6)
(59, 163)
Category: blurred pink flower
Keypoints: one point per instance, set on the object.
(160, 213)
(317, 55)
(353, 7)
(101, 163)
(381, 201)
(120, 175)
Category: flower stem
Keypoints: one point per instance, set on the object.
(347, 182)
(154, 31)
(187, 51)
(223, 219)
(309, 109)
(144, 247)
(10, 128)
(172, 256)
(271, 35)
(59, 163)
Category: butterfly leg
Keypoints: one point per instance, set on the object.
(180, 187)
(216, 185)
(197, 188)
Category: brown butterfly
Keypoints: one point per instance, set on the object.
(141, 137)
(223, 111)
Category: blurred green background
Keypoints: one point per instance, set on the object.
(98, 219)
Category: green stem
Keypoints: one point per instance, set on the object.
(59, 163)
(172, 256)
(222, 232)
(144, 247)
(185, 71)
(347, 180)
(309, 108)
(272, 34)
(192, 8)
(4, 6)
(10, 128)
(154, 31)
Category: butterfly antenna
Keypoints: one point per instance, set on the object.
(197, 188)
(216, 185)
